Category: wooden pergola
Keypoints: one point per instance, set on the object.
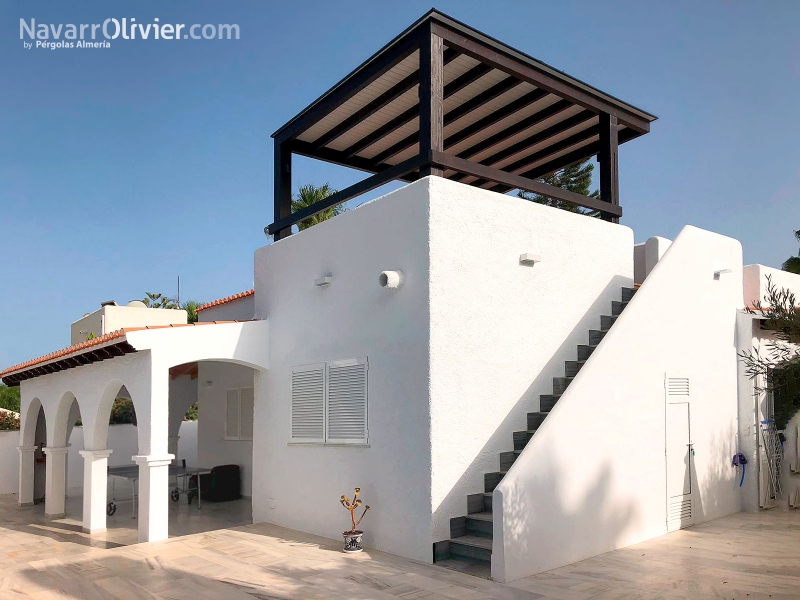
(445, 99)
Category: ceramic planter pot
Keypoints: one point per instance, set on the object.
(352, 541)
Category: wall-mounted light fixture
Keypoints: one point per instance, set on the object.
(720, 272)
(324, 280)
(529, 259)
(391, 279)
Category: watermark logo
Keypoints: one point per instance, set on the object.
(53, 36)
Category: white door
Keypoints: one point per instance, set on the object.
(680, 511)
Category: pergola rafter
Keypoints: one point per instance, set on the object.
(445, 99)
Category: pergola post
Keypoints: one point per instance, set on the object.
(282, 186)
(431, 101)
(609, 162)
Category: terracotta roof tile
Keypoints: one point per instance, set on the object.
(98, 341)
(226, 300)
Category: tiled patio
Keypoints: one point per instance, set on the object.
(742, 556)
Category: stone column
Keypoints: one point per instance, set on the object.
(26, 470)
(95, 486)
(56, 482)
(153, 497)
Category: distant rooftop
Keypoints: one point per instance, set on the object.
(445, 99)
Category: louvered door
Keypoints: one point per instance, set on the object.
(678, 451)
(347, 402)
(308, 403)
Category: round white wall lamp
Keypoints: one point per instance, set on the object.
(391, 279)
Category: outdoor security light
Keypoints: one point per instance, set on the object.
(720, 272)
(529, 259)
(323, 281)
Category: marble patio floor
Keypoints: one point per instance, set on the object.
(213, 556)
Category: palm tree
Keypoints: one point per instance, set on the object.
(310, 194)
(792, 263)
(191, 306)
(152, 300)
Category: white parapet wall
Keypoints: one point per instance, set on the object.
(593, 478)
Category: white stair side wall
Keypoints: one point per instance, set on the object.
(593, 477)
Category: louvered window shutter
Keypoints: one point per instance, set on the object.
(347, 401)
(232, 414)
(246, 413)
(308, 403)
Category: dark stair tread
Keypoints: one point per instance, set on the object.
(474, 541)
(468, 566)
(481, 516)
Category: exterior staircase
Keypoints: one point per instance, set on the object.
(469, 548)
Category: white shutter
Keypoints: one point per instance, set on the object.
(232, 413)
(246, 413)
(308, 403)
(347, 401)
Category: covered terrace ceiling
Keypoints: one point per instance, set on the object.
(445, 99)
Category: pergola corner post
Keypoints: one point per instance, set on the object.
(282, 186)
(608, 157)
(431, 101)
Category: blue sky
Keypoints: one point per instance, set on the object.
(121, 169)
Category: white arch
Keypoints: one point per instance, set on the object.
(30, 418)
(58, 434)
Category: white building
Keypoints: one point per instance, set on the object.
(487, 369)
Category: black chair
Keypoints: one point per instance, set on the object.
(221, 485)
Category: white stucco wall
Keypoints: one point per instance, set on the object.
(500, 331)
(215, 378)
(593, 477)
(299, 486)
(112, 318)
(755, 282)
(9, 462)
(241, 309)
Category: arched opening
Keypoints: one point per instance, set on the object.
(67, 487)
(211, 411)
(34, 434)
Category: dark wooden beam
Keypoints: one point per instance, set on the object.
(484, 97)
(516, 128)
(370, 183)
(538, 77)
(579, 155)
(409, 115)
(282, 201)
(431, 103)
(456, 113)
(544, 153)
(495, 117)
(377, 104)
(456, 163)
(349, 87)
(608, 158)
